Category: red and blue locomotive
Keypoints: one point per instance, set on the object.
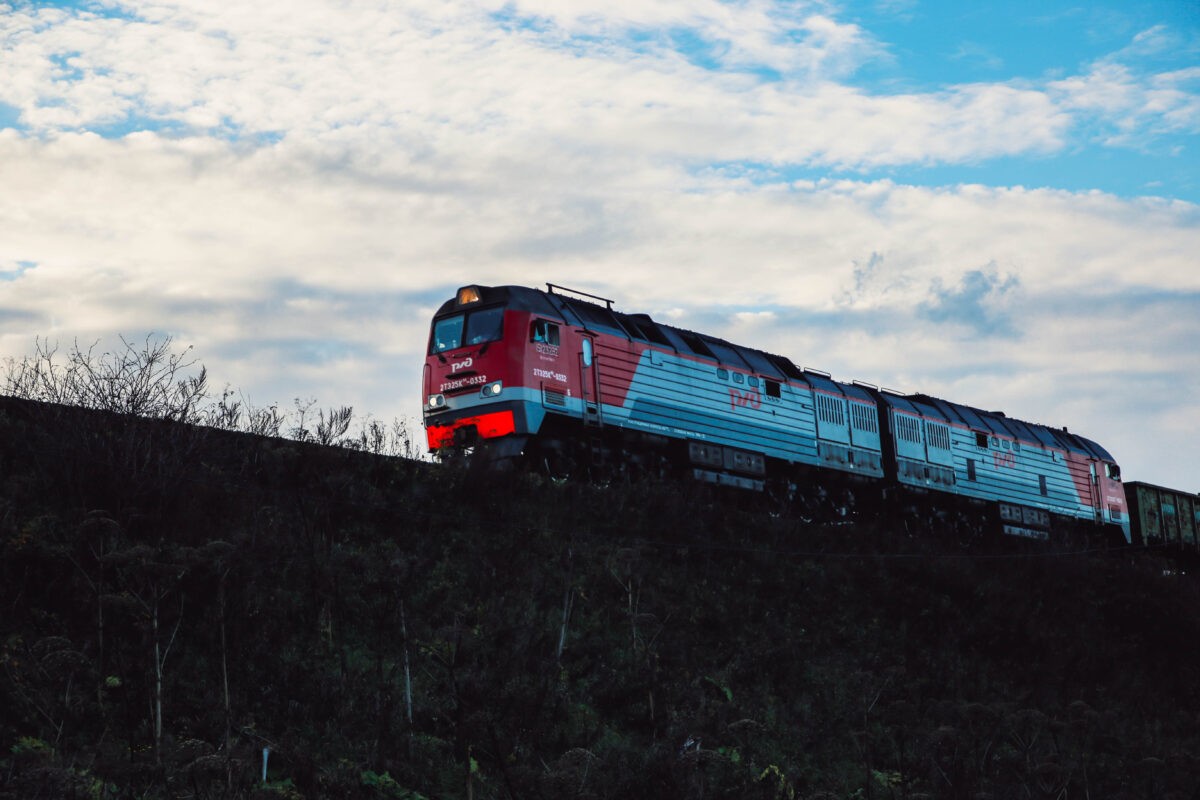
(561, 377)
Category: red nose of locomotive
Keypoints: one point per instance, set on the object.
(470, 373)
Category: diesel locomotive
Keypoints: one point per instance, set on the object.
(562, 379)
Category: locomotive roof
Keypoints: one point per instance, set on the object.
(596, 317)
(1000, 424)
(601, 316)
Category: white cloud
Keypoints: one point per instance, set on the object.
(1130, 104)
(399, 77)
(797, 40)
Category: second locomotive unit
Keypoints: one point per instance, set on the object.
(561, 377)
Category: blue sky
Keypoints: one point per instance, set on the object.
(942, 43)
(998, 203)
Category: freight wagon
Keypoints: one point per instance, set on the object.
(1163, 517)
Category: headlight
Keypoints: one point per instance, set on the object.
(437, 401)
(492, 389)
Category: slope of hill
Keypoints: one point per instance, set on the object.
(176, 601)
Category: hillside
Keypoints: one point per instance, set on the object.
(174, 599)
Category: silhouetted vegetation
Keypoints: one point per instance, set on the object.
(175, 598)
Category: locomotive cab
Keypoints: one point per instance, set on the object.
(494, 365)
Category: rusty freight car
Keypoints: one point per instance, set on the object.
(1163, 517)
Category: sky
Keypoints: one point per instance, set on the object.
(997, 203)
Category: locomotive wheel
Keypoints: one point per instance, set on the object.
(555, 465)
(558, 460)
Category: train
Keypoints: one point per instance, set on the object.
(561, 379)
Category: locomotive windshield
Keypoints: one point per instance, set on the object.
(477, 327)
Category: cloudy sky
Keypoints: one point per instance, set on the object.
(994, 202)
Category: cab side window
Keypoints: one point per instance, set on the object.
(544, 332)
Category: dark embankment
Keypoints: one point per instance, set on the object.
(173, 600)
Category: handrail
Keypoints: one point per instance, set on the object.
(552, 286)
